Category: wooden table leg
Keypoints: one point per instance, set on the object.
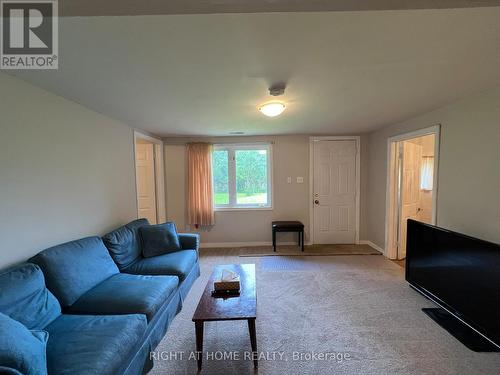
(199, 342)
(253, 340)
(274, 240)
(302, 236)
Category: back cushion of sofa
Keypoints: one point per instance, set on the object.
(124, 243)
(24, 297)
(75, 267)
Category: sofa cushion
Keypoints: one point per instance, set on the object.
(22, 350)
(179, 264)
(24, 297)
(127, 294)
(73, 268)
(159, 239)
(124, 243)
(189, 241)
(86, 344)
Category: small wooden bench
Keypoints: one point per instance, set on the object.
(288, 226)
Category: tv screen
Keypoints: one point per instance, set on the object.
(460, 273)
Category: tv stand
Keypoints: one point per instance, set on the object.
(466, 335)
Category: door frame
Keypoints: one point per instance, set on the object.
(312, 140)
(392, 205)
(161, 214)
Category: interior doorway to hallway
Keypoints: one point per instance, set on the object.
(149, 177)
(412, 185)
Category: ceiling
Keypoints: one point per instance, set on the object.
(149, 7)
(346, 72)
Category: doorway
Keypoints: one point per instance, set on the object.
(149, 173)
(335, 190)
(412, 185)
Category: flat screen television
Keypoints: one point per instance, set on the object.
(459, 273)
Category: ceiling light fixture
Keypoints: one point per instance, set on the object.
(274, 108)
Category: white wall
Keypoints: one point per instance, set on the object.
(65, 171)
(469, 172)
(290, 201)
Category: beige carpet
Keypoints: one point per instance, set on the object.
(289, 250)
(357, 308)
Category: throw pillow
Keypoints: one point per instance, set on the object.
(159, 239)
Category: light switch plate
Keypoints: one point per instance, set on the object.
(289, 180)
(300, 180)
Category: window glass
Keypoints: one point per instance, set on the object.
(251, 176)
(426, 174)
(220, 177)
(241, 176)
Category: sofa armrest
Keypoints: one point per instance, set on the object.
(190, 241)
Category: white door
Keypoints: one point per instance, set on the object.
(410, 190)
(146, 184)
(334, 188)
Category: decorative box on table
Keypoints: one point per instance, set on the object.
(227, 281)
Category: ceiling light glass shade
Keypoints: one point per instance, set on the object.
(272, 109)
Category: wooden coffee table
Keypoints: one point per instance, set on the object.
(242, 307)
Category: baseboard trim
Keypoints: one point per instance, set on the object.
(370, 243)
(208, 245)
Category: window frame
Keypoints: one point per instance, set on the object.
(231, 148)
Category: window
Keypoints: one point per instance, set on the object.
(427, 172)
(242, 176)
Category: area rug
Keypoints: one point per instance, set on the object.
(289, 250)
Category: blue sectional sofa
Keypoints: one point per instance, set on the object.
(103, 305)
(75, 344)
(124, 245)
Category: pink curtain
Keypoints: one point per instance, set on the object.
(200, 191)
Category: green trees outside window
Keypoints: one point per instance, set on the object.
(241, 176)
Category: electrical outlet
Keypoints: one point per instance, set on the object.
(300, 180)
(289, 180)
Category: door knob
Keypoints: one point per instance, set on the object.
(316, 201)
